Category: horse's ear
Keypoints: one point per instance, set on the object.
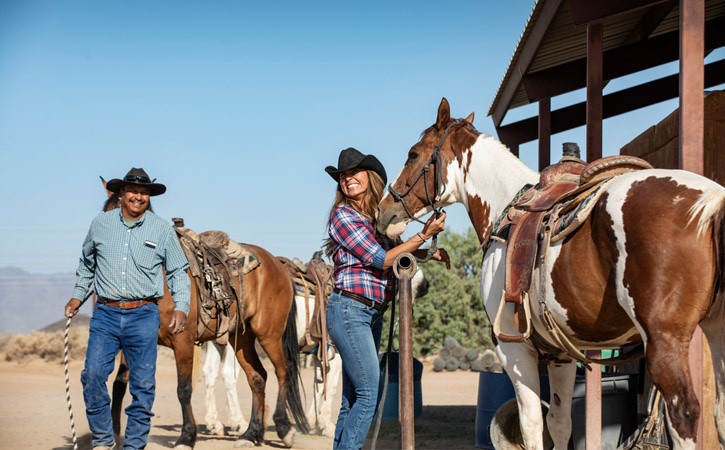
(469, 119)
(444, 114)
(104, 186)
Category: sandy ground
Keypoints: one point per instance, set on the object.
(35, 413)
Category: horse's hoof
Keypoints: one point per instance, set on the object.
(243, 443)
(182, 447)
(218, 430)
(289, 439)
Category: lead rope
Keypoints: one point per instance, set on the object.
(67, 379)
(385, 375)
(67, 384)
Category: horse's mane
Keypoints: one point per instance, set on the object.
(460, 123)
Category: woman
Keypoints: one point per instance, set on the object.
(364, 284)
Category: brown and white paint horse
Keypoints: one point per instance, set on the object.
(646, 266)
(269, 318)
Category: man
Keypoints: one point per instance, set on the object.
(124, 255)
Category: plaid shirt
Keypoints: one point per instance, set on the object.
(358, 256)
(126, 262)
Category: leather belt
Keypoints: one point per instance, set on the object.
(364, 300)
(126, 304)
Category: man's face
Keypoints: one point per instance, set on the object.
(134, 200)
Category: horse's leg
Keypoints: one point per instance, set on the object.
(324, 421)
(230, 374)
(520, 361)
(184, 355)
(562, 376)
(210, 372)
(119, 390)
(713, 328)
(272, 345)
(667, 361)
(257, 379)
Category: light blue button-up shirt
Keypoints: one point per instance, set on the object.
(126, 262)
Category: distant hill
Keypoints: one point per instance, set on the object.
(80, 320)
(30, 302)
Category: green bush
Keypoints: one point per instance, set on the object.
(453, 305)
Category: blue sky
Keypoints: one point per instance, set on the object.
(237, 107)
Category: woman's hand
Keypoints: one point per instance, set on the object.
(442, 255)
(434, 225)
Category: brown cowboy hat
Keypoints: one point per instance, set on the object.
(137, 177)
(351, 158)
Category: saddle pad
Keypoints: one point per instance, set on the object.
(245, 256)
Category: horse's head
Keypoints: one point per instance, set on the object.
(428, 179)
(113, 201)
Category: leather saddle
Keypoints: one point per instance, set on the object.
(218, 265)
(531, 218)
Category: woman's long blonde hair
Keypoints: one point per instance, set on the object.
(367, 207)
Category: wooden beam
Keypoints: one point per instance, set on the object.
(617, 62)
(585, 11)
(613, 104)
(595, 34)
(649, 22)
(544, 133)
(526, 55)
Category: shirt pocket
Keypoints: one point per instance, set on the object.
(146, 257)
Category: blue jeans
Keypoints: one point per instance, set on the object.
(355, 329)
(135, 331)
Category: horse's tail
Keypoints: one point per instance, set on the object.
(711, 209)
(292, 355)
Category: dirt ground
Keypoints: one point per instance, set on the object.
(35, 413)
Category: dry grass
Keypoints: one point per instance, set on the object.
(46, 346)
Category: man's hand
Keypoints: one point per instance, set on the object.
(72, 307)
(178, 322)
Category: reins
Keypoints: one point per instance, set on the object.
(438, 189)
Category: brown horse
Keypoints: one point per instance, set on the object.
(645, 267)
(269, 318)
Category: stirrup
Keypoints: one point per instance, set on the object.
(527, 317)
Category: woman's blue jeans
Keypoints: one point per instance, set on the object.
(355, 329)
(135, 331)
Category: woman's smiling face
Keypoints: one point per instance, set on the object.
(354, 183)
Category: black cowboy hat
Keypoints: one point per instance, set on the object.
(137, 177)
(350, 158)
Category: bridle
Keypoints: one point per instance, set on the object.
(438, 189)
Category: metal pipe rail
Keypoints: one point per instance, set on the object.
(404, 268)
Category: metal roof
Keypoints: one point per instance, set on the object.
(551, 39)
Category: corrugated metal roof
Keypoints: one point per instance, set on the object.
(564, 42)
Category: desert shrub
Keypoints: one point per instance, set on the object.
(5, 338)
(47, 346)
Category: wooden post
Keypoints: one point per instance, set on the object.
(594, 91)
(404, 268)
(692, 152)
(593, 399)
(544, 133)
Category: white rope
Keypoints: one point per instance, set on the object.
(67, 384)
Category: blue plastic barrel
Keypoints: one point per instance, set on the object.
(495, 389)
(390, 408)
(619, 407)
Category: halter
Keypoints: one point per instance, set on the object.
(439, 189)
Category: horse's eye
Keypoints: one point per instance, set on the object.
(412, 156)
